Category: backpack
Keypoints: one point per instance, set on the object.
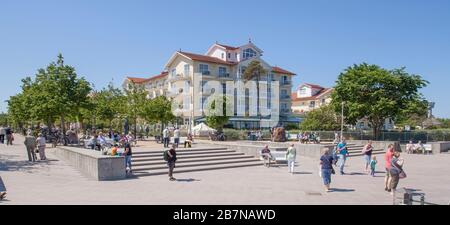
(166, 155)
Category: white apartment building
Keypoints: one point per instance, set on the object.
(223, 65)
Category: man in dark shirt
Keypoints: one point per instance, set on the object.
(127, 153)
(171, 161)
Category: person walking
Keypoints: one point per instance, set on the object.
(166, 137)
(171, 158)
(30, 144)
(343, 154)
(326, 166)
(176, 137)
(265, 153)
(2, 190)
(387, 159)
(290, 157)
(9, 136)
(396, 171)
(367, 153)
(2, 135)
(373, 164)
(128, 154)
(41, 142)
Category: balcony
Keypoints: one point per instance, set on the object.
(286, 82)
(285, 97)
(285, 111)
(207, 73)
(226, 75)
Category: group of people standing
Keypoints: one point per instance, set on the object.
(35, 145)
(393, 164)
(6, 134)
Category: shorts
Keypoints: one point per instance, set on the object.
(367, 158)
(388, 173)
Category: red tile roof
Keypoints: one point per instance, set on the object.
(137, 80)
(315, 97)
(315, 86)
(203, 58)
(227, 47)
(277, 69)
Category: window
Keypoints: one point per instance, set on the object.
(204, 69)
(224, 88)
(229, 55)
(174, 72)
(312, 104)
(283, 93)
(303, 91)
(222, 71)
(222, 55)
(243, 69)
(186, 70)
(248, 53)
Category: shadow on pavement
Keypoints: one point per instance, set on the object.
(187, 180)
(341, 190)
(303, 173)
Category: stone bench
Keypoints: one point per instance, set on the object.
(93, 163)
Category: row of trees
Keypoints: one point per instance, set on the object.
(58, 95)
(372, 93)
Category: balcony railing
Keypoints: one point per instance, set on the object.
(206, 73)
(285, 110)
(226, 75)
(286, 82)
(285, 97)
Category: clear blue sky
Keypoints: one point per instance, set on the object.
(110, 39)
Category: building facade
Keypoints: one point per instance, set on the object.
(309, 97)
(191, 79)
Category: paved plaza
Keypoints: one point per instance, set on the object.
(56, 182)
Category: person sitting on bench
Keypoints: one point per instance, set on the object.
(188, 141)
(265, 153)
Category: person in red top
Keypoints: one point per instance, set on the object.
(387, 158)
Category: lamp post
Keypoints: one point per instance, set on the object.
(342, 120)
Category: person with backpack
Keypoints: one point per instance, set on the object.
(170, 156)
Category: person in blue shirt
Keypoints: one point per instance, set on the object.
(343, 154)
(326, 166)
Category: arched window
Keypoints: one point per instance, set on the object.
(248, 53)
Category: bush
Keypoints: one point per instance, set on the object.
(291, 126)
(234, 135)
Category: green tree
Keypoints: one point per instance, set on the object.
(108, 104)
(136, 98)
(254, 72)
(216, 115)
(373, 93)
(158, 110)
(3, 119)
(18, 111)
(321, 119)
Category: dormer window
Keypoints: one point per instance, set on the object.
(248, 53)
(229, 55)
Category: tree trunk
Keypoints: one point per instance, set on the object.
(110, 128)
(63, 127)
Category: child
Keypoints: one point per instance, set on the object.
(373, 164)
(114, 150)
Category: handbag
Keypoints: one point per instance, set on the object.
(402, 175)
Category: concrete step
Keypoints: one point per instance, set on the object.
(196, 164)
(182, 161)
(360, 151)
(160, 154)
(180, 150)
(160, 157)
(141, 173)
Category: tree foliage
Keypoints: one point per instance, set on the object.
(254, 72)
(373, 93)
(321, 119)
(216, 115)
